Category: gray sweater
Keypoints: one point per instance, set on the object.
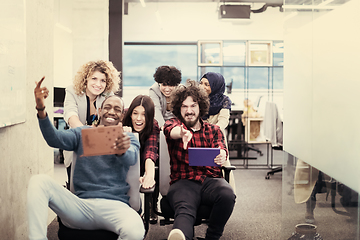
(161, 114)
(96, 176)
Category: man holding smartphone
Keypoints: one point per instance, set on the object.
(100, 200)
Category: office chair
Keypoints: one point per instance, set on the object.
(237, 142)
(229, 87)
(132, 178)
(167, 212)
(256, 107)
(273, 131)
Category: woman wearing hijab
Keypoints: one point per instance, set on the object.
(220, 104)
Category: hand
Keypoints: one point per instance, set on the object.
(41, 93)
(122, 143)
(221, 158)
(147, 181)
(186, 136)
(127, 129)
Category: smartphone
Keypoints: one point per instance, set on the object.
(100, 140)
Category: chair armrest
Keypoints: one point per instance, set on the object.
(227, 170)
(147, 190)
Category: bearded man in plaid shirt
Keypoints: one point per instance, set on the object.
(191, 186)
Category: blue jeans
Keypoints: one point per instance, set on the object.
(88, 214)
(185, 196)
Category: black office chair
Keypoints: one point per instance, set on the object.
(167, 212)
(237, 141)
(229, 87)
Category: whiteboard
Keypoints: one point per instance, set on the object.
(12, 62)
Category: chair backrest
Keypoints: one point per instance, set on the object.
(132, 179)
(272, 124)
(164, 165)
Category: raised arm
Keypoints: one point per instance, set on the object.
(41, 93)
(181, 132)
(67, 140)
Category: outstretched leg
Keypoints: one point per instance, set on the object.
(184, 197)
(218, 192)
(44, 192)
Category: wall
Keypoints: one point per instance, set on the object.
(196, 21)
(321, 93)
(90, 32)
(23, 152)
(53, 31)
(63, 42)
(81, 35)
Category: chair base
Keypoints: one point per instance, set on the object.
(275, 170)
(66, 233)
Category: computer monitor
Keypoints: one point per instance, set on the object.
(59, 96)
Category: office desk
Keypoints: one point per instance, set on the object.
(238, 140)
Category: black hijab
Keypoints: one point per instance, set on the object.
(217, 98)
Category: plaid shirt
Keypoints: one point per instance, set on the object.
(209, 136)
(150, 148)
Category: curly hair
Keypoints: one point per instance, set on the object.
(106, 67)
(193, 90)
(148, 104)
(168, 75)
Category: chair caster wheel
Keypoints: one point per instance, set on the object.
(267, 177)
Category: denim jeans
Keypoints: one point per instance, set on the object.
(111, 215)
(185, 196)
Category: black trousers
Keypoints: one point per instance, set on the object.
(185, 196)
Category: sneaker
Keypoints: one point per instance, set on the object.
(176, 234)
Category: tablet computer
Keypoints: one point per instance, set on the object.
(203, 156)
(100, 140)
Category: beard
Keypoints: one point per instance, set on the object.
(190, 124)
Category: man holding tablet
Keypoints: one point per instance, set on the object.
(100, 200)
(191, 186)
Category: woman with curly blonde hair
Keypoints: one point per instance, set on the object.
(105, 67)
(94, 81)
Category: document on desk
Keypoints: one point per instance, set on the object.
(203, 156)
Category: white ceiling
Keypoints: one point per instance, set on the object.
(218, 1)
(268, 2)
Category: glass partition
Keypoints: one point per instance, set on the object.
(310, 196)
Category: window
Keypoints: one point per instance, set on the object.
(210, 53)
(141, 60)
(234, 53)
